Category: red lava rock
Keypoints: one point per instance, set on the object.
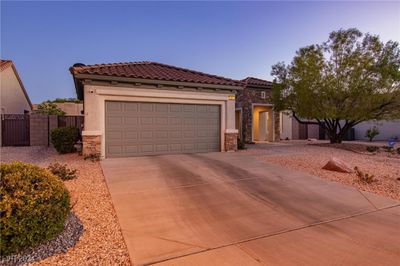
(335, 164)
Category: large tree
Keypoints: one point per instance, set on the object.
(350, 78)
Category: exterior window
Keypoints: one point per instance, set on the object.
(263, 95)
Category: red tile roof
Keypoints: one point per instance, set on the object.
(250, 81)
(154, 71)
(4, 64)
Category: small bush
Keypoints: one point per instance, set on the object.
(240, 144)
(62, 171)
(371, 133)
(92, 157)
(372, 148)
(388, 149)
(64, 139)
(33, 206)
(398, 151)
(364, 177)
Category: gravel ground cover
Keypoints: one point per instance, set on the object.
(101, 242)
(68, 238)
(311, 159)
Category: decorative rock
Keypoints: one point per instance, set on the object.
(334, 164)
(73, 229)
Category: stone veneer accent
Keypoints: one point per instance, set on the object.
(244, 100)
(91, 145)
(231, 141)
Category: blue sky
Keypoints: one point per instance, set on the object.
(232, 39)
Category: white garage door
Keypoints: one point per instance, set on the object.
(138, 128)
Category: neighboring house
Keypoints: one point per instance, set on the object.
(68, 108)
(255, 118)
(14, 98)
(148, 108)
(292, 129)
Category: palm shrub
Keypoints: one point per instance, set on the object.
(64, 139)
(33, 206)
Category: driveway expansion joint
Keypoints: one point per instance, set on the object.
(237, 243)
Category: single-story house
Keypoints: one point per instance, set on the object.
(256, 120)
(13, 97)
(148, 108)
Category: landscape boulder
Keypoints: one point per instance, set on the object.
(334, 164)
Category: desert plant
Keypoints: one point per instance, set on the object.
(364, 177)
(33, 206)
(64, 139)
(92, 157)
(372, 148)
(62, 171)
(388, 149)
(371, 133)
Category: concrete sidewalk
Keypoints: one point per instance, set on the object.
(232, 209)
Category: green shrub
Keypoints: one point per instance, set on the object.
(64, 139)
(372, 148)
(62, 171)
(371, 133)
(33, 206)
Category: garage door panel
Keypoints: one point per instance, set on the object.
(135, 128)
(161, 147)
(130, 135)
(131, 121)
(161, 121)
(145, 121)
(114, 106)
(188, 108)
(146, 135)
(145, 107)
(161, 135)
(131, 107)
(175, 108)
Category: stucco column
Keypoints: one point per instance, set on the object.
(231, 133)
(91, 134)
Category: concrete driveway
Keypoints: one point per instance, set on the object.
(233, 209)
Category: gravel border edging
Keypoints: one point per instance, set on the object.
(68, 238)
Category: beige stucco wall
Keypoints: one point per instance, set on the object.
(95, 97)
(12, 97)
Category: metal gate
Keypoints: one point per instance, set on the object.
(15, 130)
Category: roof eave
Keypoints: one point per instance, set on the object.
(79, 77)
(21, 84)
